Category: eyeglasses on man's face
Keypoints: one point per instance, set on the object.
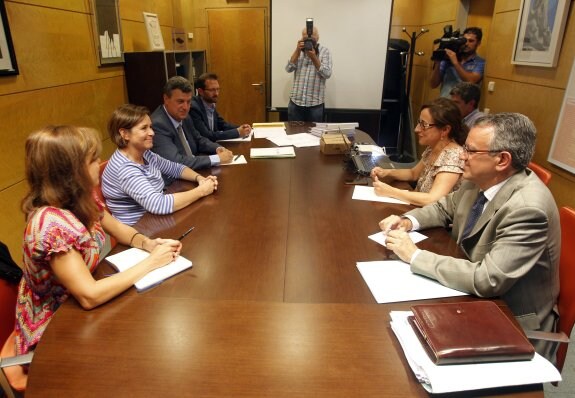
(424, 125)
(469, 152)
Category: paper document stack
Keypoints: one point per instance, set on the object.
(450, 378)
(277, 152)
(128, 258)
(340, 128)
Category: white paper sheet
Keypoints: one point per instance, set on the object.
(368, 193)
(128, 258)
(300, 140)
(241, 159)
(277, 152)
(451, 378)
(380, 237)
(266, 132)
(393, 281)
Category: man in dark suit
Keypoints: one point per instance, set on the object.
(205, 116)
(176, 138)
(504, 219)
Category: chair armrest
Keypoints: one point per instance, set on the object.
(25, 359)
(548, 336)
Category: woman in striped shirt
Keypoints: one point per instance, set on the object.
(133, 181)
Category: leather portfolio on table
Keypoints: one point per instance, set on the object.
(469, 332)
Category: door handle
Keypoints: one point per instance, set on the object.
(260, 86)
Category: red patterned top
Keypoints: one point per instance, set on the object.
(50, 230)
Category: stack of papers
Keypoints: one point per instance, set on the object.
(451, 378)
(277, 152)
(300, 140)
(128, 258)
(265, 130)
(345, 128)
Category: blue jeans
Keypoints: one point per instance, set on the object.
(298, 113)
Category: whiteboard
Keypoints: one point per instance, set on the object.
(562, 152)
(356, 34)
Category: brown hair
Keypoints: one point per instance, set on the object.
(57, 172)
(446, 113)
(125, 117)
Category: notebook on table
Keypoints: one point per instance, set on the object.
(469, 332)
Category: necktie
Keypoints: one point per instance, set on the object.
(184, 141)
(474, 214)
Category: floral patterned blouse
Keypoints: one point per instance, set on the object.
(50, 230)
(447, 161)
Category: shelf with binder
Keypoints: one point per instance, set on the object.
(147, 72)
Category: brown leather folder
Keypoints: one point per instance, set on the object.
(469, 332)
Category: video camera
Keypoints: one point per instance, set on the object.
(308, 42)
(452, 40)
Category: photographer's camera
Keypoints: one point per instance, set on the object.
(451, 40)
(309, 42)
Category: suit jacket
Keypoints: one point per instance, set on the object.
(512, 252)
(222, 129)
(167, 144)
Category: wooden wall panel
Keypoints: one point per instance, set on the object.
(86, 104)
(71, 5)
(439, 12)
(406, 13)
(480, 15)
(13, 222)
(506, 5)
(133, 10)
(52, 32)
(500, 66)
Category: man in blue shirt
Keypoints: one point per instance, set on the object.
(464, 65)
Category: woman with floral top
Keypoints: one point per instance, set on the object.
(64, 236)
(438, 172)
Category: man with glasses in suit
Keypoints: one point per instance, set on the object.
(205, 115)
(505, 221)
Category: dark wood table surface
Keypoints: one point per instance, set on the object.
(273, 306)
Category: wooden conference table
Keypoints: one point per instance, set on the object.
(273, 305)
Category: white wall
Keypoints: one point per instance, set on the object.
(356, 34)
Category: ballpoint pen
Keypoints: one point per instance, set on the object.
(236, 157)
(185, 233)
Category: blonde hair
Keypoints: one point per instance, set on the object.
(57, 171)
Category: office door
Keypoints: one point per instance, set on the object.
(237, 56)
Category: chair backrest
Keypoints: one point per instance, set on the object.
(99, 187)
(566, 301)
(101, 196)
(543, 174)
(8, 293)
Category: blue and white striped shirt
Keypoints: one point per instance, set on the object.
(131, 189)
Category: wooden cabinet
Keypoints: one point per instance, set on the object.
(147, 73)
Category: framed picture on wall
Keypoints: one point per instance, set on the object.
(154, 32)
(8, 65)
(540, 32)
(107, 31)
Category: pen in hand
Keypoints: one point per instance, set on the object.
(185, 233)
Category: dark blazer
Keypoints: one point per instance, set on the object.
(512, 252)
(167, 144)
(223, 129)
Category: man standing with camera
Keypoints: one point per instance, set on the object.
(464, 65)
(311, 64)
